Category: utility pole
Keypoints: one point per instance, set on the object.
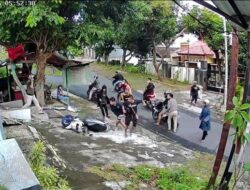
(226, 63)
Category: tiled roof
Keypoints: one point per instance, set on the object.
(197, 48)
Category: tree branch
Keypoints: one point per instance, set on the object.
(132, 54)
(129, 54)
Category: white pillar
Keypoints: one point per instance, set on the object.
(226, 63)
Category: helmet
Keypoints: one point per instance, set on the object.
(206, 101)
(166, 94)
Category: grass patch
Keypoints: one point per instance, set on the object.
(2, 187)
(136, 77)
(176, 178)
(194, 174)
(51, 71)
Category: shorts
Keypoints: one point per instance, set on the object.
(120, 117)
(132, 119)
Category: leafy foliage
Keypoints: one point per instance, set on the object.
(48, 25)
(247, 167)
(47, 176)
(238, 117)
(211, 29)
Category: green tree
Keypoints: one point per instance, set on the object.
(208, 26)
(152, 21)
(130, 35)
(101, 22)
(47, 24)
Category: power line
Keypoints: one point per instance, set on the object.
(193, 17)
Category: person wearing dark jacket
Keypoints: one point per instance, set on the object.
(117, 109)
(118, 76)
(130, 110)
(194, 92)
(205, 124)
(94, 86)
(103, 101)
(149, 91)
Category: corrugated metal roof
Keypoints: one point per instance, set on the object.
(237, 11)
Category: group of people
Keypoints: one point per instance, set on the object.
(125, 106)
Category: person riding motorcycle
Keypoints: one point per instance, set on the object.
(94, 86)
(162, 107)
(118, 76)
(118, 79)
(125, 90)
(149, 91)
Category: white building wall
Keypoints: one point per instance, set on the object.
(185, 74)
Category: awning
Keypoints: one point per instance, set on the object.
(238, 12)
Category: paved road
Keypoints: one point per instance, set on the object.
(188, 134)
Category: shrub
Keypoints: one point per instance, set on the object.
(47, 176)
(135, 69)
(179, 179)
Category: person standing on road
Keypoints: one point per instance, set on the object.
(103, 101)
(95, 87)
(31, 95)
(194, 92)
(172, 112)
(205, 125)
(130, 110)
(117, 109)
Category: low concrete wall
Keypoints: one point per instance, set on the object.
(2, 133)
(15, 172)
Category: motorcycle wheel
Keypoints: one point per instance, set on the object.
(154, 115)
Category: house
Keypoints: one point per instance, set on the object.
(196, 52)
(197, 58)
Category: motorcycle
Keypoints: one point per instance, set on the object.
(149, 100)
(157, 107)
(89, 124)
(95, 125)
(116, 85)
